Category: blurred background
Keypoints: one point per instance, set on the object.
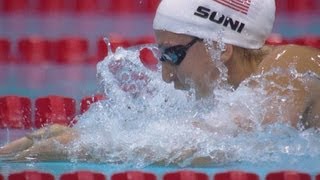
(49, 48)
(34, 31)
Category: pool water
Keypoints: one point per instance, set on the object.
(158, 122)
(307, 165)
(40, 80)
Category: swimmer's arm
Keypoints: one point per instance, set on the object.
(313, 114)
(286, 105)
(283, 104)
(288, 100)
(43, 143)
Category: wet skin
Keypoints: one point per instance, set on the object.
(198, 68)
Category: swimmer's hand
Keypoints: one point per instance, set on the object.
(45, 144)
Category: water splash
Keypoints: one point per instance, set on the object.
(146, 121)
(215, 50)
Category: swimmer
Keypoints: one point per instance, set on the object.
(187, 33)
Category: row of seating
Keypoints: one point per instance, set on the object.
(67, 50)
(277, 39)
(176, 175)
(75, 50)
(16, 112)
(297, 6)
(78, 6)
(123, 6)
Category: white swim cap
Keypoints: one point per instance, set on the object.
(244, 23)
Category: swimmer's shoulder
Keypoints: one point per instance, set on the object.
(304, 58)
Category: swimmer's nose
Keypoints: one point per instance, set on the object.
(167, 72)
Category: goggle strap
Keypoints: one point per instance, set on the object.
(194, 40)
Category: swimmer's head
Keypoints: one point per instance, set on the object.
(243, 23)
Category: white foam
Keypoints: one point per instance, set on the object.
(156, 123)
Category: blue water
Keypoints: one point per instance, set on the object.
(34, 81)
(305, 164)
(297, 25)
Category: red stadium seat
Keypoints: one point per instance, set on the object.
(54, 110)
(51, 6)
(276, 39)
(119, 41)
(72, 50)
(185, 175)
(14, 6)
(144, 40)
(133, 175)
(296, 6)
(15, 112)
(4, 50)
(281, 6)
(124, 6)
(87, 101)
(151, 6)
(28, 175)
(1, 177)
(318, 177)
(35, 50)
(288, 175)
(85, 6)
(102, 49)
(148, 59)
(313, 41)
(83, 175)
(298, 41)
(236, 175)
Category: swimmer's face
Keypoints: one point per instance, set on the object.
(196, 70)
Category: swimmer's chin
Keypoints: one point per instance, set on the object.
(181, 87)
(199, 93)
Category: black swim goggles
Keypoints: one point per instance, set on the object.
(175, 54)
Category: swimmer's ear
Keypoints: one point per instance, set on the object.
(227, 53)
